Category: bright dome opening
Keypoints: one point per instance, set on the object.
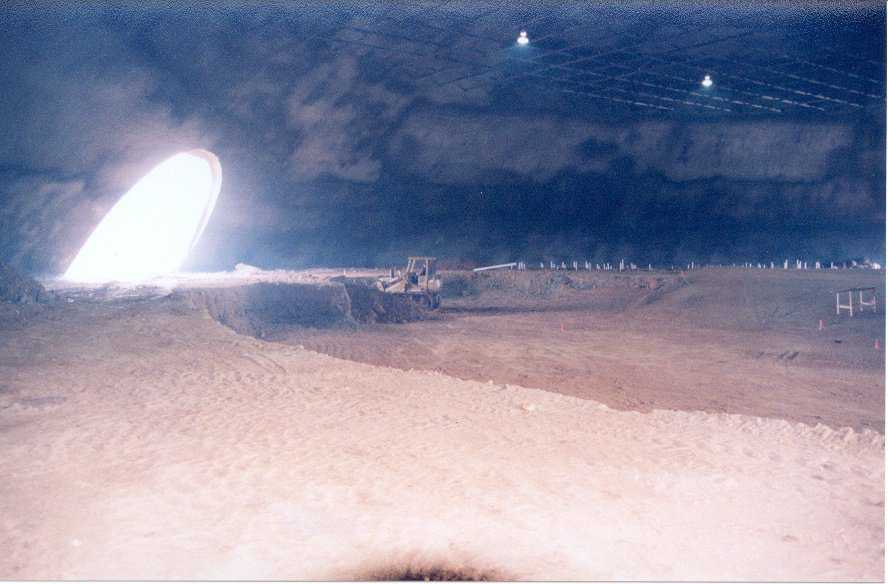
(154, 226)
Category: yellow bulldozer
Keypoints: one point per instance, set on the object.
(420, 281)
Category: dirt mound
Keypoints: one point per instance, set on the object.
(20, 289)
(369, 305)
(547, 283)
(548, 290)
(459, 285)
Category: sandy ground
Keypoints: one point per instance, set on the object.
(728, 342)
(140, 440)
(632, 364)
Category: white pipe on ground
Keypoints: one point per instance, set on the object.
(496, 267)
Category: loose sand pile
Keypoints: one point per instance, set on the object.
(142, 440)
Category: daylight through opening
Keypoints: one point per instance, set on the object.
(155, 225)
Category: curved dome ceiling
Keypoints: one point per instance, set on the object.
(154, 226)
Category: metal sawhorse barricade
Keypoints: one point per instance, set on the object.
(861, 301)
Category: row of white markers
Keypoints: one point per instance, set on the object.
(623, 266)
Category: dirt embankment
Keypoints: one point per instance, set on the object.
(267, 308)
(545, 290)
(711, 299)
(547, 283)
(264, 309)
(722, 299)
(22, 299)
(20, 289)
(369, 305)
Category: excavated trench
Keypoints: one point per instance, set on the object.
(266, 308)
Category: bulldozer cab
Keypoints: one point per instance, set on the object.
(420, 280)
(420, 269)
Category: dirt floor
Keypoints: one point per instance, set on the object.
(722, 341)
(142, 439)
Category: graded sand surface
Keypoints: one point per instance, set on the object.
(720, 341)
(141, 439)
